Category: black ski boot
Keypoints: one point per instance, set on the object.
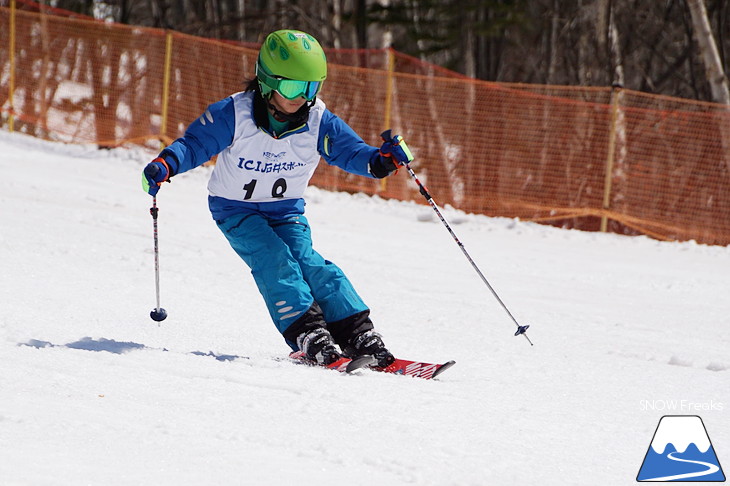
(370, 342)
(318, 345)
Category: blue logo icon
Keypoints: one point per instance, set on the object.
(681, 451)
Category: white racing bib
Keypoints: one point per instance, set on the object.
(259, 168)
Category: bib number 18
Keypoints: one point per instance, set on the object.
(277, 189)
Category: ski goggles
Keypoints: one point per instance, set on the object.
(289, 88)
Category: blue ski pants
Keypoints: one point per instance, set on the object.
(289, 273)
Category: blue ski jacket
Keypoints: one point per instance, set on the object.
(263, 172)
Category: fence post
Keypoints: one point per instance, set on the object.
(11, 92)
(388, 99)
(166, 87)
(615, 92)
(389, 87)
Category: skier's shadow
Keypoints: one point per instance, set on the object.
(115, 347)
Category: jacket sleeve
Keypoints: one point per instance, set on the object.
(204, 138)
(340, 146)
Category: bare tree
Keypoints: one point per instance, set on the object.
(708, 50)
(656, 47)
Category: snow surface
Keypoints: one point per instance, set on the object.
(626, 330)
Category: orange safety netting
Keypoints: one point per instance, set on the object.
(540, 153)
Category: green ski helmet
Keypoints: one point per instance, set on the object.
(291, 63)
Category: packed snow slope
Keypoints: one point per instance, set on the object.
(626, 330)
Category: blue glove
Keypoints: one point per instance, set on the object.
(395, 148)
(154, 174)
(393, 153)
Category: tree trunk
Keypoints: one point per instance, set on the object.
(469, 46)
(708, 50)
(387, 37)
(585, 53)
(553, 44)
(241, 20)
(361, 24)
(616, 164)
(713, 67)
(336, 24)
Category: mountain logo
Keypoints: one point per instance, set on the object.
(681, 451)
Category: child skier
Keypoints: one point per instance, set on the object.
(270, 138)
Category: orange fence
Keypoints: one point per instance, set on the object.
(579, 157)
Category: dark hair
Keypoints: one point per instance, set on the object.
(252, 85)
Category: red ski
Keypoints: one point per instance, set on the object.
(343, 365)
(417, 369)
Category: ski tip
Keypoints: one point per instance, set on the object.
(443, 368)
(360, 362)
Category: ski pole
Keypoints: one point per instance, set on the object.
(424, 192)
(158, 313)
